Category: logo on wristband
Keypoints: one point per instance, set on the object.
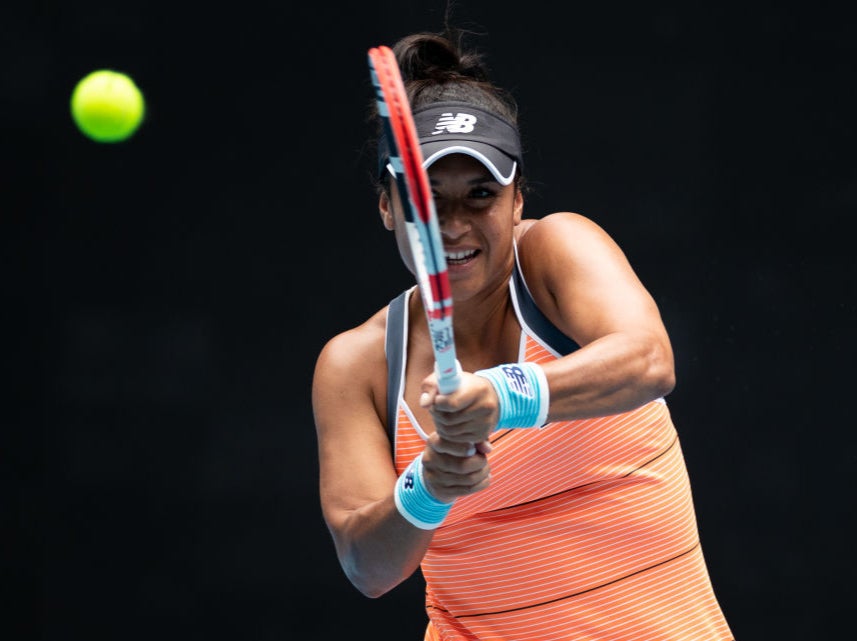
(408, 482)
(517, 380)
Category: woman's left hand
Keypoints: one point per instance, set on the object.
(467, 415)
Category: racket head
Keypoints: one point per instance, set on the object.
(423, 229)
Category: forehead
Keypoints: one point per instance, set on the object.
(458, 167)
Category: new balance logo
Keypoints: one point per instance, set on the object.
(457, 124)
(517, 380)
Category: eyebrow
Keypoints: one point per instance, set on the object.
(487, 178)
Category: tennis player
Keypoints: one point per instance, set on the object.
(572, 518)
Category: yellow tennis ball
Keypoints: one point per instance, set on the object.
(107, 106)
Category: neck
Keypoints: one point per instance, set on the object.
(486, 330)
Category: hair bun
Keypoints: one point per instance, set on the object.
(429, 56)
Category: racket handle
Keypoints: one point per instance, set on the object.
(449, 382)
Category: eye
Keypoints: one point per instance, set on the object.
(477, 196)
(482, 192)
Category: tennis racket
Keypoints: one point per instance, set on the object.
(421, 222)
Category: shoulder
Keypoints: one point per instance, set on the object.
(357, 347)
(561, 239)
(569, 262)
(556, 228)
(352, 365)
(349, 410)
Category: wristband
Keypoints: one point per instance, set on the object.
(522, 390)
(415, 502)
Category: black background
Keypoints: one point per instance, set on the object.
(165, 298)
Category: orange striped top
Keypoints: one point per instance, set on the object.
(586, 532)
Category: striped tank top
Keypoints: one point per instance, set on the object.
(587, 531)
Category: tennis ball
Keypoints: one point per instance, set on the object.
(107, 106)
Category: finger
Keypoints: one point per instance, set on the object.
(469, 432)
(483, 447)
(454, 416)
(459, 485)
(445, 446)
(457, 448)
(457, 437)
(429, 390)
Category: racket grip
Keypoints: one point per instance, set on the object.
(449, 382)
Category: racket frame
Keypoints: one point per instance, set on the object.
(423, 228)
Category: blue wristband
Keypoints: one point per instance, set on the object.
(415, 502)
(522, 390)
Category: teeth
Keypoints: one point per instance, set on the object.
(459, 255)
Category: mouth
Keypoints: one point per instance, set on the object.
(460, 257)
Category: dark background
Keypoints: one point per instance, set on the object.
(165, 298)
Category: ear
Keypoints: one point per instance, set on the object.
(385, 208)
(518, 206)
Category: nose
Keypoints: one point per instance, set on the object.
(453, 223)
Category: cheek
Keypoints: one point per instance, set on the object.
(501, 230)
(504, 216)
(404, 246)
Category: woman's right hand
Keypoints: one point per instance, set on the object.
(452, 470)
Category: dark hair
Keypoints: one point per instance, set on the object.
(436, 68)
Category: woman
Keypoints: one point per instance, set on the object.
(572, 516)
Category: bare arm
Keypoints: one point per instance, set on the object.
(583, 282)
(376, 546)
